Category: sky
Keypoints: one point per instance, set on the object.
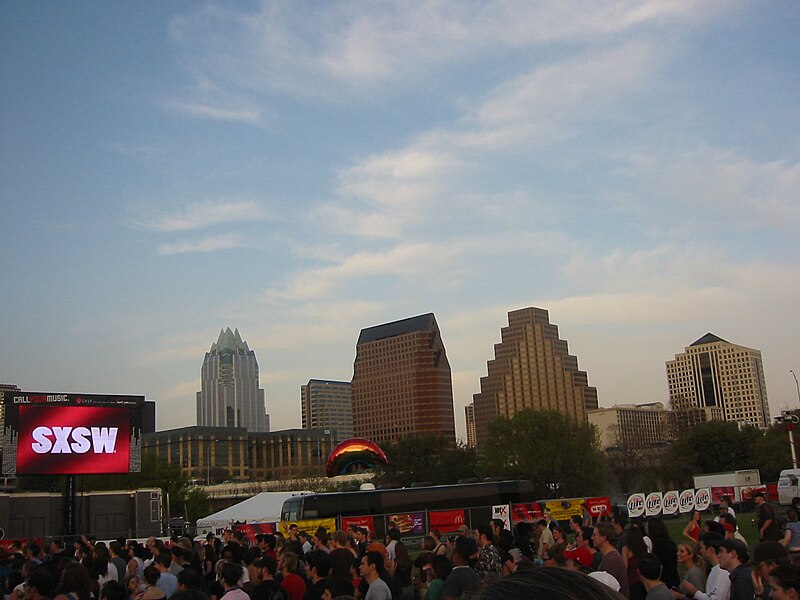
(302, 170)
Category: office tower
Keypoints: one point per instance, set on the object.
(715, 373)
(401, 382)
(630, 426)
(328, 405)
(230, 396)
(469, 415)
(532, 368)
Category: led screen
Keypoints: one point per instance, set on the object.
(63, 434)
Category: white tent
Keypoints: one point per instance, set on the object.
(261, 508)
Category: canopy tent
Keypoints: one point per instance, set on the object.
(261, 508)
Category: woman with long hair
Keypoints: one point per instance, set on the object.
(402, 571)
(74, 583)
(441, 547)
(633, 550)
(666, 551)
(785, 582)
(692, 530)
(693, 564)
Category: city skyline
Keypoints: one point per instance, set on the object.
(302, 171)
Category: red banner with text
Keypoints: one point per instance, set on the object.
(446, 521)
(368, 522)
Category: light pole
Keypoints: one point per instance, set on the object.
(797, 385)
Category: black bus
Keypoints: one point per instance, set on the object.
(404, 500)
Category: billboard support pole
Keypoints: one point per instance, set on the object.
(69, 506)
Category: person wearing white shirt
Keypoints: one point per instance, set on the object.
(718, 584)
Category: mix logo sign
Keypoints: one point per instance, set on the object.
(635, 505)
(686, 501)
(702, 499)
(670, 503)
(62, 440)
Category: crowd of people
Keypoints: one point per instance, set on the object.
(609, 559)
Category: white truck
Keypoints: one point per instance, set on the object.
(738, 480)
(788, 487)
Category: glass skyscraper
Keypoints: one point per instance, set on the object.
(230, 395)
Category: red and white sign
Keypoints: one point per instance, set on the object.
(446, 521)
(63, 440)
(367, 522)
(599, 506)
(526, 512)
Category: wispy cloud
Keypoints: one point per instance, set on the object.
(216, 113)
(208, 244)
(200, 215)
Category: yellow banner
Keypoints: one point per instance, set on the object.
(562, 510)
(308, 525)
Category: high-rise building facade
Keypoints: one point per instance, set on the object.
(713, 372)
(469, 414)
(328, 405)
(230, 395)
(630, 426)
(402, 384)
(532, 368)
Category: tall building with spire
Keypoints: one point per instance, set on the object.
(715, 374)
(230, 395)
(402, 384)
(532, 368)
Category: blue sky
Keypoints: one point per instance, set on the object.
(303, 170)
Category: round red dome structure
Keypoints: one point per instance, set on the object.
(354, 455)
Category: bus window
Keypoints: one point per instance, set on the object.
(291, 509)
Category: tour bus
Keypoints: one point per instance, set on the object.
(333, 505)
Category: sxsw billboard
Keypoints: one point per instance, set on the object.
(70, 434)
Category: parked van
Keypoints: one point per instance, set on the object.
(788, 486)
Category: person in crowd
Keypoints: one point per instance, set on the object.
(208, 560)
(151, 589)
(230, 574)
(335, 587)
(791, 536)
(766, 556)
(666, 551)
(39, 585)
(632, 553)
(545, 537)
(114, 590)
(558, 535)
(554, 556)
(549, 583)
(134, 585)
(692, 530)
(441, 547)
(119, 557)
(462, 578)
(166, 580)
(441, 569)
(371, 567)
(268, 588)
(489, 566)
(731, 528)
(650, 575)
(318, 567)
(694, 569)
(785, 582)
(768, 527)
(604, 539)
(718, 582)
(522, 539)
(620, 523)
(138, 554)
(340, 555)
(191, 579)
(73, 583)
(733, 557)
(401, 571)
(294, 585)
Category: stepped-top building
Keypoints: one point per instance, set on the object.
(402, 384)
(230, 395)
(532, 368)
(722, 377)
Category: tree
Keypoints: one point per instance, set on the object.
(426, 458)
(634, 466)
(562, 457)
(773, 453)
(712, 447)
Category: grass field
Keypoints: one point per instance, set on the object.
(744, 520)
